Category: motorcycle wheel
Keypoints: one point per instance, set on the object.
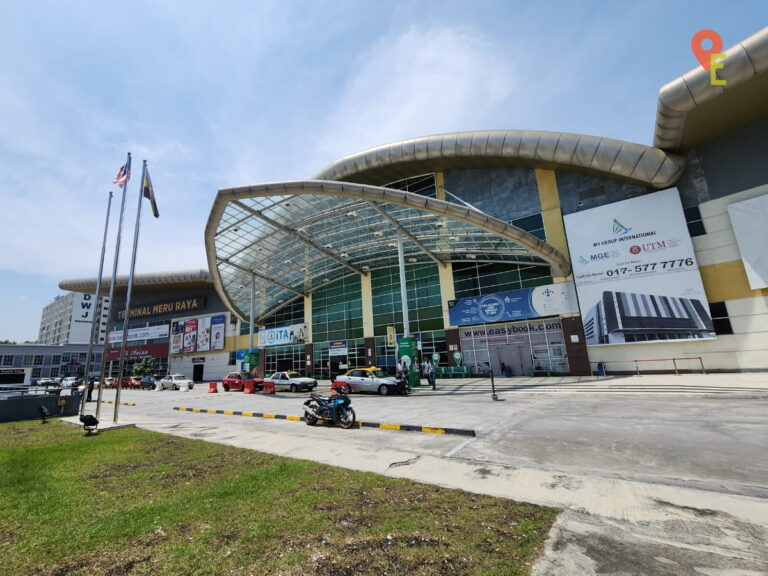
(347, 419)
(308, 418)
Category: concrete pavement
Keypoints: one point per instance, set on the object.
(656, 474)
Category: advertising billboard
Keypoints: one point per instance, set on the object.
(217, 332)
(293, 334)
(204, 334)
(636, 273)
(190, 335)
(549, 300)
(177, 337)
(146, 333)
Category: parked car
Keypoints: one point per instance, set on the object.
(148, 383)
(370, 379)
(110, 382)
(292, 381)
(174, 382)
(237, 381)
(71, 382)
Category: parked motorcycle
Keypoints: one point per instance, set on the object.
(334, 408)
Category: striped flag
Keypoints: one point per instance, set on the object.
(149, 192)
(124, 174)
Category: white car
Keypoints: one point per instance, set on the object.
(69, 382)
(174, 382)
(292, 381)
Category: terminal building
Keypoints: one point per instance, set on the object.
(523, 252)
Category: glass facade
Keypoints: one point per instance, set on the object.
(425, 312)
(337, 311)
(282, 358)
(515, 348)
(478, 279)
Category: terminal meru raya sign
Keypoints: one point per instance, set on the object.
(178, 306)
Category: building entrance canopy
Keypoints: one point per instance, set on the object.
(299, 235)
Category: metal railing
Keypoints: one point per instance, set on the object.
(637, 362)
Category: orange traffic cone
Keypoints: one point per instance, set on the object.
(213, 388)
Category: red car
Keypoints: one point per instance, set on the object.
(237, 380)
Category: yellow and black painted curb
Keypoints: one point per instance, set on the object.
(121, 403)
(358, 424)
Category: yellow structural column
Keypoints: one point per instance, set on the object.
(445, 273)
(552, 215)
(366, 296)
(308, 315)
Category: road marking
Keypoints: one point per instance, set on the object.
(358, 424)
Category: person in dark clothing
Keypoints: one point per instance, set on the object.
(91, 382)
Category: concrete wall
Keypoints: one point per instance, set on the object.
(27, 407)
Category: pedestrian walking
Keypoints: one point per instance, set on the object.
(431, 374)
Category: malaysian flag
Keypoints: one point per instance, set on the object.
(124, 174)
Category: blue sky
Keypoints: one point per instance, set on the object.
(216, 94)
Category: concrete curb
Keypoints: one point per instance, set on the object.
(358, 424)
(121, 403)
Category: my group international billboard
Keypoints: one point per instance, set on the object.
(549, 300)
(636, 273)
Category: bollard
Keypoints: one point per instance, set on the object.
(213, 388)
(248, 387)
(269, 388)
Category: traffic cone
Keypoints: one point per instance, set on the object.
(213, 388)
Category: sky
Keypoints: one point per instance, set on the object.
(229, 93)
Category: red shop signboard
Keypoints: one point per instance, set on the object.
(134, 353)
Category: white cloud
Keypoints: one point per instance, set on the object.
(424, 81)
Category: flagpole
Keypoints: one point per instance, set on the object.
(96, 321)
(127, 322)
(112, 289)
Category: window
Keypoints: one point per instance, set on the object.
(720, 319)
(35, 372)
(27, 360)
(232, 358)
(7, 360)
(65, 358)
(38, 360)
(56, 359)
(55, 372)
(82, 357)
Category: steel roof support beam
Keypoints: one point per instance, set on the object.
(405, 232)
(300, 237)
(260, 276)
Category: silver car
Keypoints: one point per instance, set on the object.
(368, 380)
(174, 382)
(292, 381)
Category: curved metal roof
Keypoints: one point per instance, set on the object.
(604, 157)
(177, 279)
(691, 110)
(296, 236)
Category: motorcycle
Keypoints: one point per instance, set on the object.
(333, 408)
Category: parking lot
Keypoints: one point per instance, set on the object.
(656, 474)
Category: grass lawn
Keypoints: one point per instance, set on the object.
(130, 501)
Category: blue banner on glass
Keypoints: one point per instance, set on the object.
(548, 300)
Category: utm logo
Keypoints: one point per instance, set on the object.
(708, 57)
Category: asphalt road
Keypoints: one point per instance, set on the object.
(656, 474)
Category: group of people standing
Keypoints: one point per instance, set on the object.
(427, 371)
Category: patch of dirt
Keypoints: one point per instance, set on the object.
(389, 555)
